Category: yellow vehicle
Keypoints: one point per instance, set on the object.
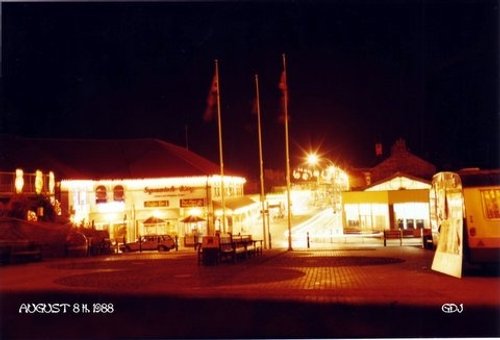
(465, 216)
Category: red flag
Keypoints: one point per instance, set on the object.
(255, 106)
(211, 101)
(284, 95)
(282, 84)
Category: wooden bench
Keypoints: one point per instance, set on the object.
(209, 250)
(424, 234)
(255, 248)
(238, 247)
(427, 241)
(393, 234)
(227, 247)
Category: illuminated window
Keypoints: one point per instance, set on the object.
(491, 203)
(401, 224)
(410, 223)
(101, 194)
(380, 222)
(352, 215)
(118, 193)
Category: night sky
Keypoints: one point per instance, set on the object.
(359, 72)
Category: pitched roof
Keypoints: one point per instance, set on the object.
(398, 176)
(103, 159)
(234, 203)
(402, 160)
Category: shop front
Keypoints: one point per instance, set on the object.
(242, 216)
(131, 208)
(384, 207)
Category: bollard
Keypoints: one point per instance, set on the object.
(176, 243)
(308, 245)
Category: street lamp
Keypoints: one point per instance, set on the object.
(312, 159)
(333, 179)
(331, 174)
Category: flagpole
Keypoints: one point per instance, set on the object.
(287, 151)
(221, 158)
(261, 163)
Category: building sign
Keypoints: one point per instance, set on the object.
(192, 202)
(182, 189)
(156, 204)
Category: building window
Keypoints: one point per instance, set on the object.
(401, 224)
(118, 193)
(410, 223)
(101, 194)
(420, 223)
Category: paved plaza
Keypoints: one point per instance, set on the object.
(330, 290)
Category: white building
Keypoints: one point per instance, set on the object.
(137, 186)
(398, 202)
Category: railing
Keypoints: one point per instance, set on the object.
(8, 179)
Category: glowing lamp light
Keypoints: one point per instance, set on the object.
(296, 174)
(312, 159)
(111, 207)
(195, 212)
(110, 218)
(52, 183)
(158, 214)
(19, 182)
(38, 182)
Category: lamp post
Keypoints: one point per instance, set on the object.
(327, 180)
(334, 176)
(312, 160)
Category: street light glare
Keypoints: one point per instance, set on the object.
(312, 159)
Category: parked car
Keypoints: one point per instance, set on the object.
(150, 242)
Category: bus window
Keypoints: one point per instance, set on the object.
(491, 203)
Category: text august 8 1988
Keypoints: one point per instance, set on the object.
(66, 308)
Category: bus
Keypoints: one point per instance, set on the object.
(465, 218)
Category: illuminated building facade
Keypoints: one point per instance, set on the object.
(399, 202)
(136, 187)
(392, 195)
(128, 208)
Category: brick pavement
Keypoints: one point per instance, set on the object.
(345, 291)
(351, 274)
